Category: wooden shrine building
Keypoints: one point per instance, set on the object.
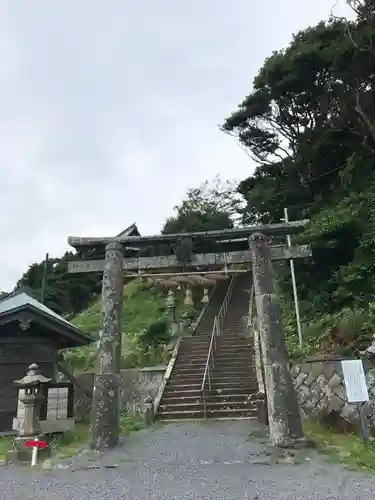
(30, 333)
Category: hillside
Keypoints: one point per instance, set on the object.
(144, 311)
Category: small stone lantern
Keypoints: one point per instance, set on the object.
(205, 298)
(171, 306)
(188, 297)
(32, 400)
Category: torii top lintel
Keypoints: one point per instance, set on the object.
(225, 234)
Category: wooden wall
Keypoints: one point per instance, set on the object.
(18, 350)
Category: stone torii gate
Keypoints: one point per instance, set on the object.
(284, 418)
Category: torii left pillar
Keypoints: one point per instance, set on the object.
(105, 410)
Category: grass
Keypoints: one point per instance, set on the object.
(68, 444)
(347, 449)
(5, 446)
(143, 305)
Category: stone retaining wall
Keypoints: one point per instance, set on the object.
(136, 385)
(320, 388)
(319, 384)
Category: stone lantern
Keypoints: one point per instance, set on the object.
(32, 399)
(31, 395)
(205, 298)
(188, 297)
(171, 306)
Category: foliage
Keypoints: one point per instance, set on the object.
(5, 446)
(145, 328)
(156, 334)
(309, 125)
(66, 294)
(212, 206)
(347, 332)
(142, 304)
(347, 449)
(69, 443)
(129, 423)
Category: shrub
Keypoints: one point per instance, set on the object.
(156, 334)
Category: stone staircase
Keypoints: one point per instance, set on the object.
(233, 391)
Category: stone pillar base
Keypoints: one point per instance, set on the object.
(105, 412)
(296, 444)
(22, 454)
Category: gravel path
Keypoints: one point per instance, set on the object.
(188, 461)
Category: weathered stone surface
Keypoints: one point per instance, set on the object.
(138, 384)
(321, 381)
(283, 409)
(135, 385)
(295, 370)
(370, 380)
(327, 391)
(258, 356)
(311, 378)
(105, 412)
(335, 381)
(328, 369)
(322, 394)
(316, 369)
(304, 394)
(350, 413)
(112, 304)
(335, 403)
(300, 379)
(340, 391)
(305, 368)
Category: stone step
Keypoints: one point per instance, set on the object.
(215, 376)
(246, 364)
(250, 384)
(189, 391)
(210, 406)
(176, 398)
(219, 366)
(191, 414)
(232, 351)
(217, 371)
(246, 360)
(215, 384)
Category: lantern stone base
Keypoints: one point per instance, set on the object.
(22, 454)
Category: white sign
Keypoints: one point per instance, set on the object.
(355, 381)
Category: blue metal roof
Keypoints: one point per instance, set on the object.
(22, 299)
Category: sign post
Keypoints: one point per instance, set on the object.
(356, 388)
(35, 444)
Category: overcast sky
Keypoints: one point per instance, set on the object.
(109, 110)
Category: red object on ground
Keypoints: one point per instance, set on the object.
(33, 442)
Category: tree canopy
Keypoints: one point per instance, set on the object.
(309, 125)
(211, 206)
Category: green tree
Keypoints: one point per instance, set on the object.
(64, 293)
(212, 206)
(308, 125)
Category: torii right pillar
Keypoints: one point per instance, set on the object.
(285, 426)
